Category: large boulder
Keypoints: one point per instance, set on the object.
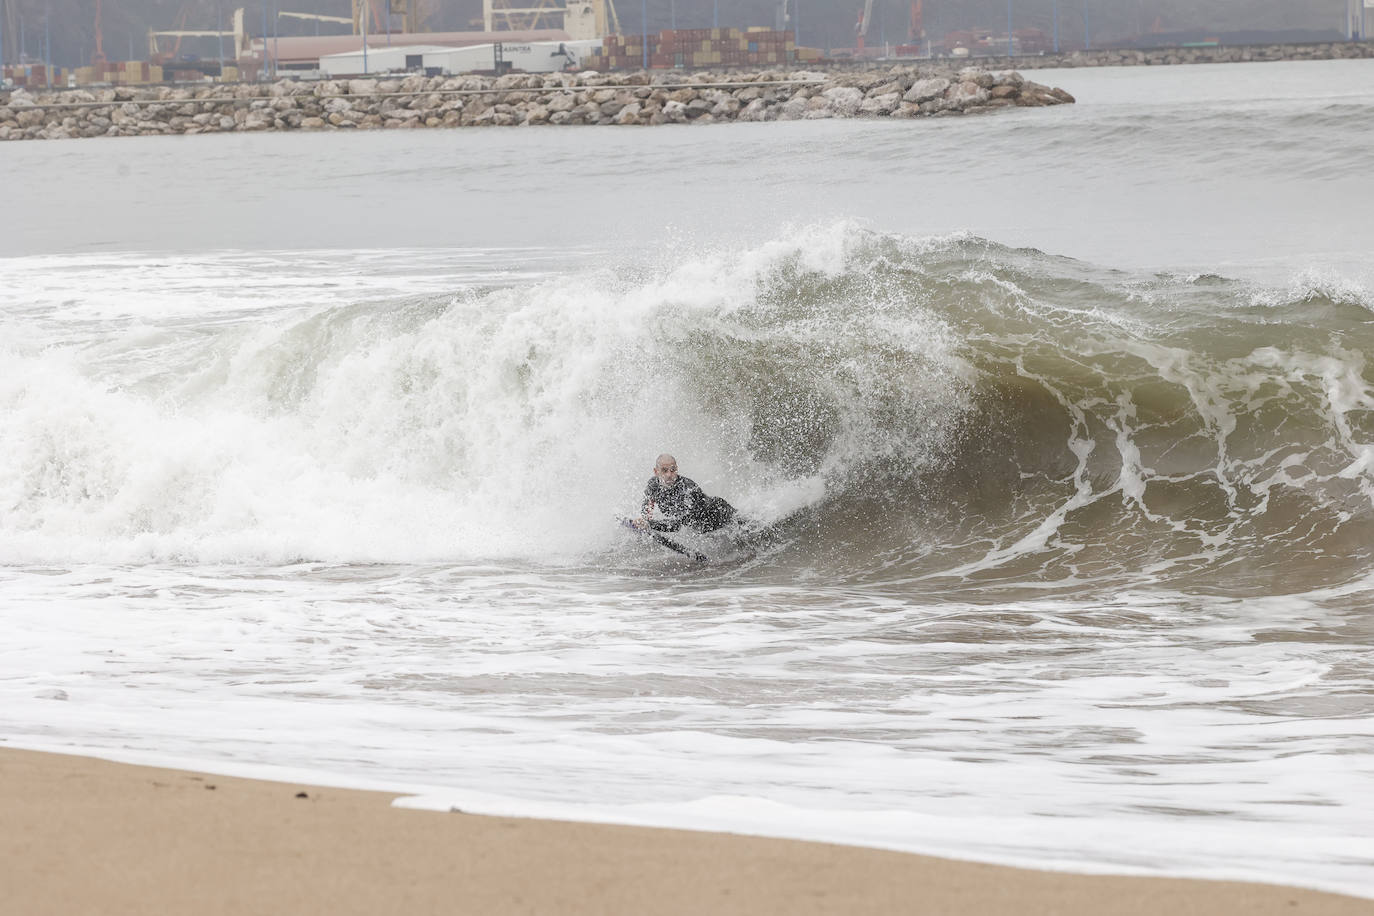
(698, 107)
(967, 94)
(562, 101)
(792, 110)
(756, 110)
(925, 90)
(627, 115)
(844, 100)
(726, 107)
(880, 106)
(978, 76)
(674, 112)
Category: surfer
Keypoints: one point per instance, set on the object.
(681, 501)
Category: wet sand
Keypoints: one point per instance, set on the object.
(85, 836)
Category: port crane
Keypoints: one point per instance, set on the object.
(500, 15)
(316, 18)
(98, 58)
(412, 20)
(237, 34)
(861, 27)
(915, 31)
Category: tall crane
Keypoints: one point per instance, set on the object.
(522, 15)
(534, 14)
(364, 8)
(861, 27)
(782, 19)
(98, 58)
(238, 34)
(316, 18)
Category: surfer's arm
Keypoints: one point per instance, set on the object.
(646, 510)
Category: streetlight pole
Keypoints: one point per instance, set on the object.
(262, 71)
(1009, 28)
(644, 29)
(1056, 26)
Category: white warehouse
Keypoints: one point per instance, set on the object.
(530, 57)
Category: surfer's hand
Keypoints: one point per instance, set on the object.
(640, 523)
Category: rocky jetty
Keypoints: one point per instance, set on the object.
(1216, 54)
(587, 98)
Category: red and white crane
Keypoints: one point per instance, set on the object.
(861, 27)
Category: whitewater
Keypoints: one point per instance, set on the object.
(1059, 425)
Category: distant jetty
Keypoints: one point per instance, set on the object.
(1192, 54)
(588, 98)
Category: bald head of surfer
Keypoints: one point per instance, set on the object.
(665, 469)
(680, 501)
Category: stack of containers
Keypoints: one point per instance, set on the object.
(770, 47)
(618, 52)
(120, 73)
(696, 48)
(35, 76)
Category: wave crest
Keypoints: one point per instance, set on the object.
(943, 408)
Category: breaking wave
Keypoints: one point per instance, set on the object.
(945, 410)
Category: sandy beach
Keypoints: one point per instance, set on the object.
(82, 835)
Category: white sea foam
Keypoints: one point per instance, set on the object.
(418, 428)
(1153, 734)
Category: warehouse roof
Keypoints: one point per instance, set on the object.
(299, 49)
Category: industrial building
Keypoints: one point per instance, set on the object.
(308, 52)
(494, 57)
(383, 28)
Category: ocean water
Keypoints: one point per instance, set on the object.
(1056, 429)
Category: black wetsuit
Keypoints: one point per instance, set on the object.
(685, 503)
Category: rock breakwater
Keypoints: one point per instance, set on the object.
(1167, 56)
(587, 98)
